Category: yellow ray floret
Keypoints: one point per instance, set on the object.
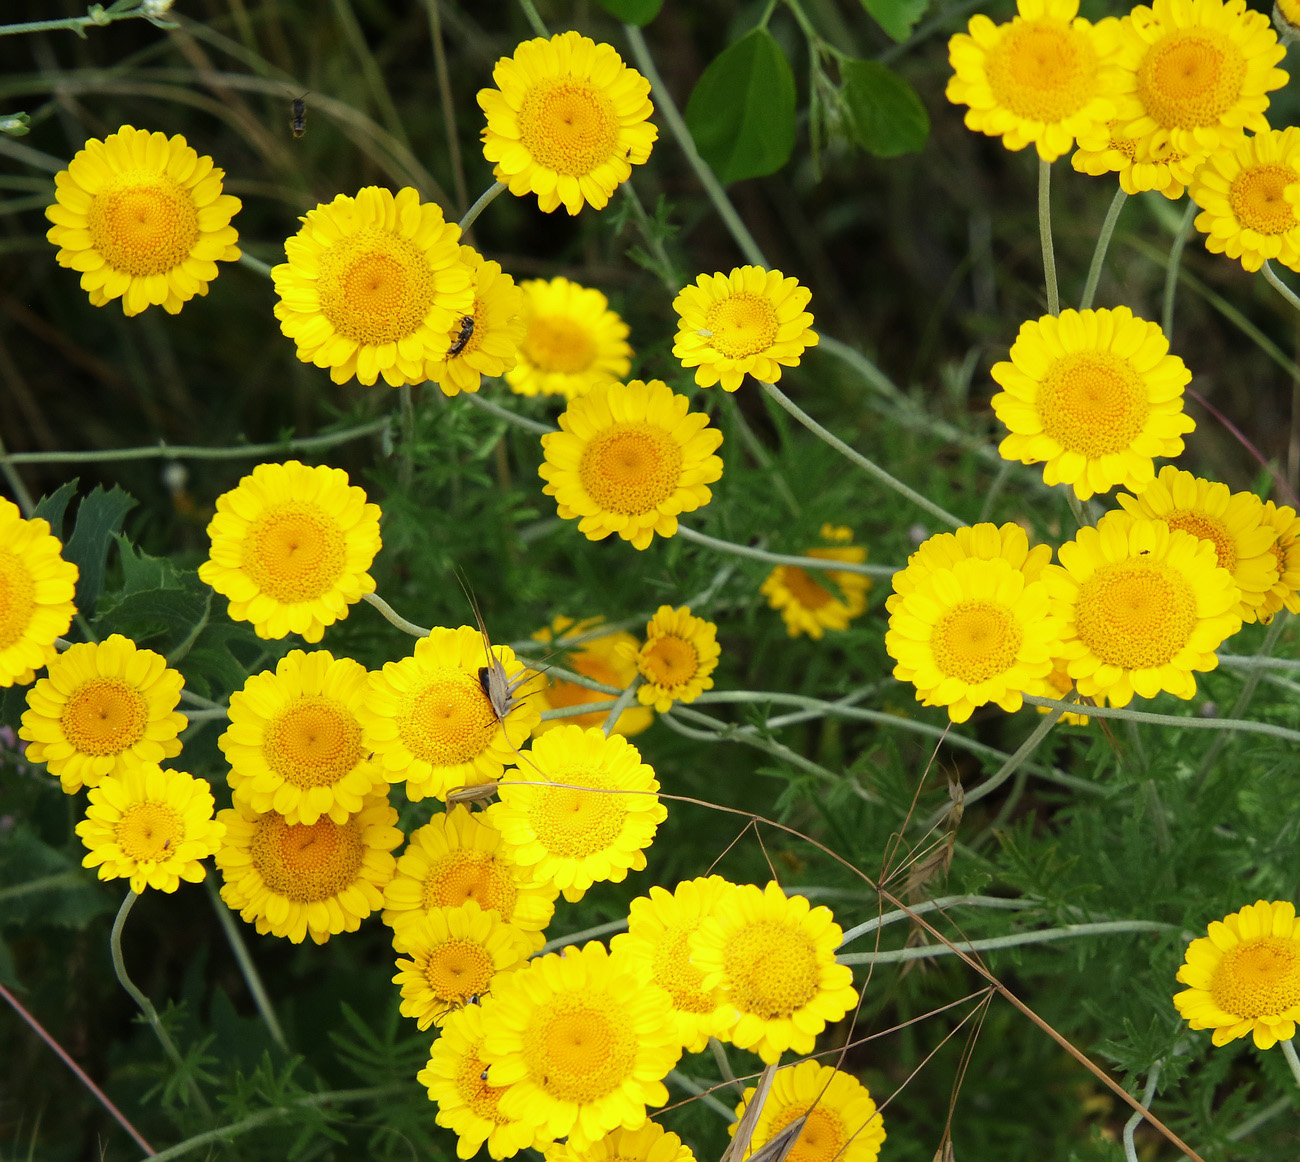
(984, 541)
(572, 340)
(485, 340)
(650, 1142)
(808, 606)
(1285, 594)
(36, 590)
(679, 656)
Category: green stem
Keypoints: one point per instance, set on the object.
(446, 102)
(252, 978)
(1278, 285)
(1189, 723)
(801, 562)
(606, 929)
(21, 495)
(935, 905)
(1045, 235)
(534, 19)
(621, 703)
(775, 394)
(1171, 270)
(701, 1093)
(485, 199)
(535, 426)
(1288, 1051)
(663, 265)
(77, 24)
(391, 615)
(406, 409)
(1103, 244)
(1077, 508)
(1148, 1096)
(254, 264)
(146, 1006)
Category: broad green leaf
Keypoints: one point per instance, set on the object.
(162, 617)
(897, 17)
(638, 12)
(141, 571)
(52, 507)
(741, 112)
(99, 517)
(886, 115)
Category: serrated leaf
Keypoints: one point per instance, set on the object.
(897, 17)
(52, 507)
(886, 115)
(99, 517)
(741, 112)
(141, 571)
(149, 614)
(638, 12)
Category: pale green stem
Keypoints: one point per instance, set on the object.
(391, 615)
(252, 978)
(446, 102)
(779, 397)
(581, 708)
(701, 1092)
(21, 495)
(606, 929)
(79, 24)
(719, 1051)
(487, 405)
(1288, 1051)
(145, 1005)
(206, 715)
(1267, 1114)
(1188, 723)
(198, 700)
(1278, 285)
(164, 451)
(1258, 662)
(935, 905)
(1171, 270)
(1099, 253)
(406, 465)
(1130, 1127)
(666, 109)
(690, 534)
(44, 884)
(1016, 940)
(485, 199)
(1045, 236)
(665, 269)
(1077, 508)
(621, 703)
(761, 455)
(534, 19)
(254, 264)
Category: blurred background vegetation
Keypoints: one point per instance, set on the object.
(928, 263)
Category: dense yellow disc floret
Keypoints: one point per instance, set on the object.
(572, 340)
(679, 656)
(36, 590)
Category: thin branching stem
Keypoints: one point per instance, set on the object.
(1186, 721)
(97, 17)
(1172, 268)
(535, 20)
(1130, 1127)
(1045, 236)
(1001, 903)
(621, 703)
(1270, 276)
(393, 617)
(252, 978)
(1293, 1063)
(1099, 252)
(485, 199)
(756, 554)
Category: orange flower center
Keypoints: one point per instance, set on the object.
(105, 716)
(481, 1098)
(150, 831)
(742, 324)
(1190, 78)
(569, 126)
(313, 743)
(976, 641)
(558, 344)
(1043, 70)
(673, 970)
(772, 969)
(631, 467)
(669, 661)
(580, 1048)
(1092, 402)
(824, 1137)
(465, 875)
(17, 598)
(306, 862)
(807, 592)
(1206, 528)
(1258, 978)
(1257, 196)
(1136, 614)
(294, 552)
(143, 223)
(457, 969)
(448, 719)
(374, 286)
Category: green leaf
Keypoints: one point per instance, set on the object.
(150, 614)
(638, 12)
(99, 516)
(885, 114)
(52, 507)
(897, 17)
(141, 571)
(741, 112)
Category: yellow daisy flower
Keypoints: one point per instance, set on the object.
(808, 606)
(1195, 74)
(1247, 197)
(454, 955)
(984, 542)
(1059, 685)
(485, 340)
(1039, 79)
(774, 956)
(1244, 977)
(105, 708)
(843, 1123)
(560, 817)
(429, 721)
(467, 1105)
(142, 216)
(606, 658)
(749, 322)
(572, 341)
(294, 740)
(291, 546)
(973, 634)
(650, 1142)
(567, 121)
(1142, 605)
(1093, 396)
(1231, 522)
(1286, 20)
(36, 590)
(657, 945)
(1101, 150)
(1285, 594)
(372, 286)
(151, 825)
(681, 651)
(581, 1044)
(629, 458)
(456, 859)
(307, 879)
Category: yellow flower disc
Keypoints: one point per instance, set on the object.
(628, 459)
(749, 322)
(1244, 977)
(291, 546)
(567, 121)
(1142, 605)
(372, 286)
(1231, 522)
(1195, 74)
(649, 1142)
(774, 957)
(608, 658)
(582, 1044)
(307, 879)
(150, 825)
(105, 708)
(143, 218)
(467, 1104)
(1093, 396)
(808, 606)
(1102, 150)
(485, 340)
(681, 652)
(577, 830)
(843, 1124)
(36, 590)
(1284, 524)
(572, 341)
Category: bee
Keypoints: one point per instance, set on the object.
(466, 331)
(298, 121)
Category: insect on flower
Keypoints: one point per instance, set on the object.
(466, 332)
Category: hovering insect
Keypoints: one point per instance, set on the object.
(466, 332)
(298, 120)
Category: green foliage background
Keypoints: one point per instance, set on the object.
(922, 252)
